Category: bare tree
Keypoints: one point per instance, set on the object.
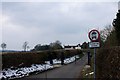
(25, 46)
(106, 32)
(56, 45)
(28, 47)
(3, 46)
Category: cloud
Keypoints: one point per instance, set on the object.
(45, 22)
(59, 1)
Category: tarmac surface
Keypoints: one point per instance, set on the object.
(66, 71)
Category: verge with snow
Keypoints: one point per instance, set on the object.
(26, 71)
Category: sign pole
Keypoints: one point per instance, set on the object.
(94, 63)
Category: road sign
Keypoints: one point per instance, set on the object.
(94, 35)
(94, 44)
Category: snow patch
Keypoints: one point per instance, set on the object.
(89, 73)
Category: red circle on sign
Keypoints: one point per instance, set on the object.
(94, 35)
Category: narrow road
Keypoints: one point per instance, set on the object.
(67, 71)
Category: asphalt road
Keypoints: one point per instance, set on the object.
(67, 71)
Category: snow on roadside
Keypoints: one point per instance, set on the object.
(26, 71)
(71, 59)
(66, 61)
(21, 72)
(89, 73)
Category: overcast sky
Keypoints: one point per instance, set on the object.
(46, 22)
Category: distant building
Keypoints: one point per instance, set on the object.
(68, 47)
(119, 5)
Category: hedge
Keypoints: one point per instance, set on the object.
(108, 63)
(22, 59)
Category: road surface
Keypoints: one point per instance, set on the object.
(67, 71)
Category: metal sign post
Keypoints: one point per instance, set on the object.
(94, 37)
(94, 63)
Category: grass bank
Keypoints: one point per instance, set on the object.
(107, 65)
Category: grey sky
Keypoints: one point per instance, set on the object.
(45, 22)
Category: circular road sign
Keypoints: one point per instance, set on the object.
(94, 35)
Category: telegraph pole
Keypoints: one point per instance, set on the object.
(119, 5)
